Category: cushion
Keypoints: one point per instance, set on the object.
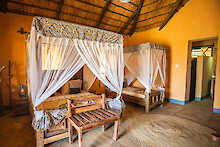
(75, 86)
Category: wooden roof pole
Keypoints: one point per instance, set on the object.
(132, 17)
(132, 30)
(108, 3)
(83, 10)
(60, 5)
(3, 5)
(173, 12)
(97, 6)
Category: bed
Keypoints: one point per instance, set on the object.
(145, 64)
(148, 100)
(56, 51)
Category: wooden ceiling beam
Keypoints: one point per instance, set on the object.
(133, 4)
(148, 25)
(179, 4)
(83, 10)
(119, 6)
(151, 3)
(155, 10)
(52, 10)
(137, 12)
(162, 14)
(132, 30)
(35, 14)
(60, 5)
(108, 3)
(33, 6)
(94, 5)
(4, 5)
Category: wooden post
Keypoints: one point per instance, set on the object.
(162, 100)
(103, 107)
(69, 107)
(39, 139)
(115, 136)
(70, 132)
(103, 101)
(80, 137)
(147, 102)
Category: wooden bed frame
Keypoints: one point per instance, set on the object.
(59, 131)
(149, 101)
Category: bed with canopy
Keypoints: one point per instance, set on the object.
(145, 63)
(57, 50)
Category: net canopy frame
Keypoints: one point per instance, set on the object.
(147, 63)
(57, 50)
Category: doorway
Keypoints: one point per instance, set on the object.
(201, 69)
(193, 80)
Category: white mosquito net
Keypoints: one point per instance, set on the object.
(57, 50)
(146, 62)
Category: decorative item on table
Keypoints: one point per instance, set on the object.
(22, 91)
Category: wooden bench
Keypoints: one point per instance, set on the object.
(89, 117)
(59, 131)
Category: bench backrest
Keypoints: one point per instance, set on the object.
(85, 104)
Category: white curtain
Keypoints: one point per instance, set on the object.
(88, 78)
(53, 61)
(145, 61)
(105, 60)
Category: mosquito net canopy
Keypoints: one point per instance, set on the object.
(146, 62)
(57, 50)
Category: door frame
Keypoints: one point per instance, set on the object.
(189, 64)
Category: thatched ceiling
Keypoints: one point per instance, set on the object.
(113, 15)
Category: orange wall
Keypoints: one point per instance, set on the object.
(199, 19)
(12, 46)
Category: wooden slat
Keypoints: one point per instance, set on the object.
(79, 119)
(99, 123)
(102, 114)
(97, 115)
(110, 111)
(91, 116)
(55, 138)
(86, 119)
(94, 115)
(106, 113)
(86, 108)
(76, 121)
